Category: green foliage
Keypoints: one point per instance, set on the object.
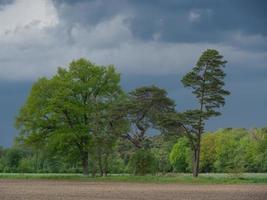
(68, 112)
(232, 151)
(161, 148)
(229, 151)
(208, 152)
(207, 82)
(142, 162)
(144, 108)
(77, 117)
(255, 150)
(12, 158)
(26, 165)
(180, 156)
(117, 165)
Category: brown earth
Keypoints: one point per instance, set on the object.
(75, 190)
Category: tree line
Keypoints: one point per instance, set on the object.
(230, 150)
(82, 114)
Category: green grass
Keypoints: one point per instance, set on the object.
(210, 178)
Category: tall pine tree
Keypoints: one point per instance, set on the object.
(207, 83)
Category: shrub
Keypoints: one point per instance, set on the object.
(180, 156)
(26, 165)
(143, 162)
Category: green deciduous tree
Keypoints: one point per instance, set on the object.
(65, 112)
(208, 152)
(109, 126)
(255, 148)
(229, 150)
(180, 155)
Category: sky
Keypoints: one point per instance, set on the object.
(149, 42)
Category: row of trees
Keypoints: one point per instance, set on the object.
(226, 150)
(83, 112)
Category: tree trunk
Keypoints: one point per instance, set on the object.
(85, 164)
(196, 156)
(106, 164)
(94, 169)
(101, 171)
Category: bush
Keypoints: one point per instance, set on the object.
(116, 165)
(229, 151)
(143, 162)
(2, 165)
(26, 165)
(12, 158)
(208, 152)
(180, 156)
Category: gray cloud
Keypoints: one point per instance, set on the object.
(6, 2)
(176, 20)
(109, 33)
(193, 21)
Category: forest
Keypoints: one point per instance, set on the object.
(82, 121)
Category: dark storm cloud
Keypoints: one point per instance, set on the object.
(88, 12)
(5, 2)
(194, 21)
(212, 21)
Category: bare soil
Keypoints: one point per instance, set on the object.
(78, 190)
